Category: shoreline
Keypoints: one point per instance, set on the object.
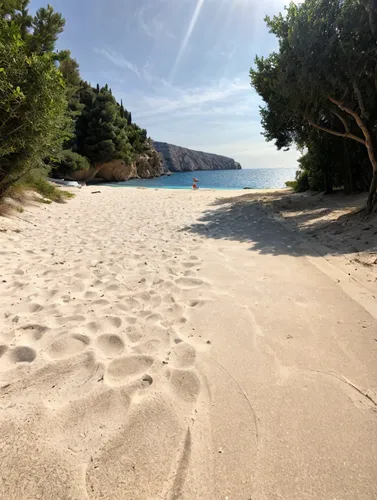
(153, 342)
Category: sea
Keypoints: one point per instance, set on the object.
(255, 178)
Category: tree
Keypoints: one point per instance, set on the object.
(100, 130)
(39, 32)
(322, 77)
(33, 125)
(70, 69)
(70, 162)
(47, 25)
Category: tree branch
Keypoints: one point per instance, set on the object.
(346, 135)
(342, 119)
(359, 99)
(355, 115)
(369, 143)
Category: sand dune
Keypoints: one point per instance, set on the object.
(145, 357)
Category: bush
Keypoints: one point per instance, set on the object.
(301, 183)
(48, 190)
(292, 185)
(302, 179)
(33, 104)
(34, 181)
(71, 162)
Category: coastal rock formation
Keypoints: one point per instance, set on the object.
(178, 159)
(114, 171)
(146, 166)
(149, 164)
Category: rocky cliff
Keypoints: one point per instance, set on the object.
(146, 166)
(177, 159)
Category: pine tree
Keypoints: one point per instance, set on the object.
(101, 131)
(23, 19)
(47, 26)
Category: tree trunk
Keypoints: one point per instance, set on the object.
(372, 197)
(369, 144)
(348, 176)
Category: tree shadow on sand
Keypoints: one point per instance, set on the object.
(254, 218)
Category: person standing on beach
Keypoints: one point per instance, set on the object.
(195, 181)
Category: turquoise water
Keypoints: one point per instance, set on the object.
(258, 178)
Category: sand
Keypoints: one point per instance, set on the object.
(168, 345)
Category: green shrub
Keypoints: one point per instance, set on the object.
(71, 162)
(301, 183)
(292, 185)
(36, 182)
(33, 107)
(302, 179)
(49, 191)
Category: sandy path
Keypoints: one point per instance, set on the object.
(154, 348)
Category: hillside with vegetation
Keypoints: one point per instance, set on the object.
(320, 92)
(51, 121)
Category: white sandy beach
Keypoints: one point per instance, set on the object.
(169, 345)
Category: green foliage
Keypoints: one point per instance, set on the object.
(103, 132)
(37, 182)
(47, 26)
(100, 130)
(292, 185)
(46, 108)
(69, 163)
(33, 124)
(322, 78)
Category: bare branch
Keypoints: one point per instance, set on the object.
(355, 115)
(342, 119)
(363, 127)
(346, 135)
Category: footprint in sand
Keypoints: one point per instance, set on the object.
(100, 302)
(76, 318)
(34, 332)
(189, 265)
(152, 346)
(187, 283)
(127, 368)
(104, 324)
(153, 318)
(182, 355)
(114, 321)
(196, 304)
(194, 257)
(33, 308)
(3, 350)
(185, 384)
(22, 354)
(134, 334)
(110, 345)
(68, 346)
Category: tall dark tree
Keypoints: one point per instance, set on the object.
(33, 124)
(323, 76)
(100, 130)
(47, 25)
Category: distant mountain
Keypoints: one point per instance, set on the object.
(177, 159)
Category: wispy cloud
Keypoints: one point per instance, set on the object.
(153, 24)
(118, 59)
(191, 27)
(191, 101)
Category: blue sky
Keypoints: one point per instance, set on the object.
(181, 67)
